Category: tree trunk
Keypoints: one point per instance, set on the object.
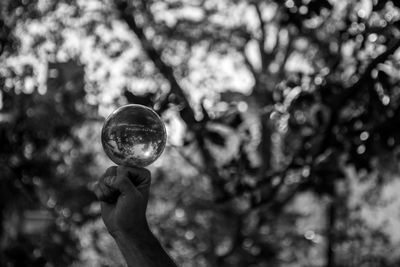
(331, 222)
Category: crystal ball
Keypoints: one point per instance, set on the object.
(133, 136)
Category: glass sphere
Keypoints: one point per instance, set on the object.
(133, 135)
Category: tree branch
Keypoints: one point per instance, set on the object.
(196, 166)
(236, 241)
(365, 77)
(287, 53)
(339, 103)
(187, 113)
(261, 41)
(126, 13)
(341, 100)
(247, 62)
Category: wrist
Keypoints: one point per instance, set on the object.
(143, 250)
(138, 246)
(125, 236)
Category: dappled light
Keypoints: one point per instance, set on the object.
(282, 122)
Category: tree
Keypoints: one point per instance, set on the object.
(278, 101)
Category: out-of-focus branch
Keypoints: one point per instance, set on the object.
(341, 100)
(264, 187)
(217, 181)
(278, 204)
(188, 159)
(126, 12)
(210, 170)
(278, 43)
(261, 41)
(331, 231)
(237, 239)
(249, 65)
(365, 77)
(287, 53)
(337, 105)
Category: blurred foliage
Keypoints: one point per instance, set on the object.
(283, 117)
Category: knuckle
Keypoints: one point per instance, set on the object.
(121, 171)
(105, 192)
(109, 180)
(146, 172)
(123, 180)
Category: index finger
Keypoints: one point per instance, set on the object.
(103, 190)
(140, 177)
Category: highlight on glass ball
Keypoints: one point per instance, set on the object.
(133, 136)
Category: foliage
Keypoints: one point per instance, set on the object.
(278, 113)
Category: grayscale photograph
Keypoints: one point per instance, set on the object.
(199, 133)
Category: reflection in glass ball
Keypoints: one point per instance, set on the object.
(133, 135)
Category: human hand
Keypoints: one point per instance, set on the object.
(124, 192)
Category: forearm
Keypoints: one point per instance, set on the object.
(145, 251)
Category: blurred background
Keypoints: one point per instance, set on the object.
(283, 122)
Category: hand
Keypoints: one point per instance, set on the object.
(124, 192)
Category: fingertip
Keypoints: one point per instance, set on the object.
(111, 171)
(137, 170)
(120, 170)
(146, 176)
(145, 172)
(109, 180)
(121, 180)
(130, 178)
